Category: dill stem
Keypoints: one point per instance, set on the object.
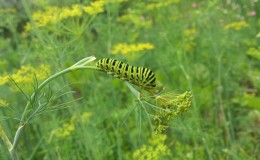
(45, 82)
(5, 138)
(19, 132)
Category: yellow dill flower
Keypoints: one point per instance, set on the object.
(189, 39)
(53, 15)
(115, 1)
(95, 7)
(68, 128)
(173, 105)
(64, 131)
(189, 32)
(4, 79)
(25, 76)
(124, 48)
(250, 42)
(155, 150)
(75, 11)
(85, 116)
(236, 25)
(166, 3)
(254, 52)
(3, 103)
(137, 20)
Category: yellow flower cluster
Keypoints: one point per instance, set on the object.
(173, 105)
(254, 52)
(166, 3)
(124, 48)
(155, 150)
(189, 39)
(64, 131)
(236, 25)
(95, 7)
(68, 128)
(3, 103)
(189, 32)
(25, 75)
(53, 14)
(137, 20)
(115, 1)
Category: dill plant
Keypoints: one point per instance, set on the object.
(35, 107)
(167, 107)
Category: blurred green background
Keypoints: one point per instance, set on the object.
(211, 48)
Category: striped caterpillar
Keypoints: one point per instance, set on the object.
(139, 76)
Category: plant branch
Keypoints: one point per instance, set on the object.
(44, 83)
(12, 147)
(5, 138)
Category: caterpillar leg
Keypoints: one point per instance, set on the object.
(122, 78)
(110, 73)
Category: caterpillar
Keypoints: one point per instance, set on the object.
(139, 76)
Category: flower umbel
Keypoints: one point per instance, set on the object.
(173, 105)
(189, 39)
(124, 48)
(161, 4)
(53, 15)
(25, 75)
(3, 103)
(254, 52)
(139, 21)
(95, 7)
(237, 25)
(155, 150)
(68, 128)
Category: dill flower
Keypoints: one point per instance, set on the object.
(135, 19)
(25, 75)
(189, 39)
(95, 7)
(166, 3)
(64, 131)
(53, 15)
(3, 103)
(3, 80)
(124, 48)
(254, 52)
(115, 1)
(189, 32)
(236, 25)
(75, 11)
(85, 116)
(155, 150)
(68, 128)
(172, 106)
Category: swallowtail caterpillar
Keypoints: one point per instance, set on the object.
(139, 76)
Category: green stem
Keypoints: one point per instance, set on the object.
(5, 138)
(44, 83)
(8, 144)
(19, 132)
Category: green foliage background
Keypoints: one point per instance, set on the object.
(210, 48)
